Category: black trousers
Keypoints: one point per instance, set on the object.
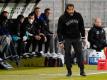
(21, 47)
(28, 44)
(38, 43)
(47, 44)
(77, 45)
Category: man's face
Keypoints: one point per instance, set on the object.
(22, 20)
(37, 12)
(6, 15)
(70, 10)
(47, 13)
(98, 22)
(31, 19)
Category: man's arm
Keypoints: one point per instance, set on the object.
(60, 30)
(81, 26)
(91, 36)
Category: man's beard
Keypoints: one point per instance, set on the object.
(71, 14)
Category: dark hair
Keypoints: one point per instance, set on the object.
(2, 13)
(47, 9)
(69, 5)
(31, 14)
(36, 8)
(2, 17)
(20, 17)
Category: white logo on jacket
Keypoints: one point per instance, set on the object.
(71, 22)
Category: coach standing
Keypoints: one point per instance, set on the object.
(70, 31)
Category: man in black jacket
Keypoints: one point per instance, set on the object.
(5, 35)
(40, 31)
(45, 18)
(16, 31)
(28, 31)
(96, 36)
(70, 31)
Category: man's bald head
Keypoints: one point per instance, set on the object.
(98, 22)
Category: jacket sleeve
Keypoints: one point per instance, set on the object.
(81, 26)
(23, 29)
(91, 36)
(60, 29)
(46, 28)
(104, 37)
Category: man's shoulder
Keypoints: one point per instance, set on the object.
(42, 16)
(62, 16)
(93, 29)
(77, 13)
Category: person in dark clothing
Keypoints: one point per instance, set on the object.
(4, 23)
(16, 30)
(4, 33)
(97, 36)
(40, 37)
(45, 18)
(17, 26)
(70, 31)
(28, 31)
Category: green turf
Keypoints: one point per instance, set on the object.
(29, 62)
(50, 73)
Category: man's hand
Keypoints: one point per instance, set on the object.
(45, 39)
(8, 40)
(41, 34)
(24, 38)
(84, 42)
(0, 46)
(37, 37)
(61, 45)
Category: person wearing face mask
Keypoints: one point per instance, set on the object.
(28, 31)
(70, 31)
(97, 35)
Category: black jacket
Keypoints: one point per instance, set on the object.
(28, 27)
(39, 27)
(4, 27)
(97, 38)
(70, 27)
(35, 28)
(45, 20)
(15, 28)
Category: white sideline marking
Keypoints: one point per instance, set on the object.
(94, 73)
(53, 75)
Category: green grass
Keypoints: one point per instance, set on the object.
(29, 62)
(50, 73)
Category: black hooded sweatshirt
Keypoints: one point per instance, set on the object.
(70, 26)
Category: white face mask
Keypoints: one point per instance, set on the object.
(31, 21)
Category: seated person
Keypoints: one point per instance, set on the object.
(96, 36)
